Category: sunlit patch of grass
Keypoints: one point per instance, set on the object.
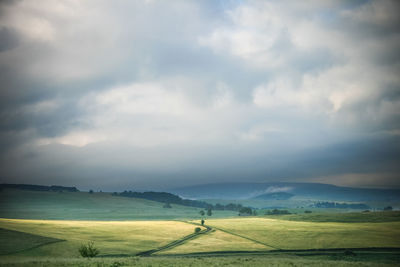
(132, 236)
(285, 234)
(216, 241)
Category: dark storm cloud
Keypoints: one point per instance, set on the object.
(154, 94)
(8, 39)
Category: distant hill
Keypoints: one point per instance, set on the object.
(60, 205)
(303, 190)
(169, 198)
(33, 187)
(275, 196)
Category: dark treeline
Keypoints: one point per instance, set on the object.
(169, 198)
(340, 205)
(277, 212)
(32, 187)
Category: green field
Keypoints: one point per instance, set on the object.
(137, 232)
(250, 260)
(20, 204)
(283, 234)
(112, 238)
(349, 217)
(14, 241)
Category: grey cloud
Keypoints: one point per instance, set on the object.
(198, 119)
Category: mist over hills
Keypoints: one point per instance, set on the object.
(302, 190)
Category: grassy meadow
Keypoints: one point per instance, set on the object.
(284, 234)
(112, 238)
(22, 204)
(216, 241)
(47, 228)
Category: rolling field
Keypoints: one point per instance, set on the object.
(349, 217)
(10, 241)
(21, 204)
(110, 237)
(137, 232)
(216, 241)
(239, 261)
(283, 234)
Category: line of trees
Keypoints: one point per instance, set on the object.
(169, 198)
(340, 205)
(31, 187)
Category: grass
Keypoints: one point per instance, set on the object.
(14, 241)
(285, 234)
(216, 240)
(253, 261)
(110, 237)
(351, 217)
(20, 204)
(103, 218)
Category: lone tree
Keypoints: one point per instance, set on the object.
(90, 191)
(209, 212)
(388, 208)
(202, 212)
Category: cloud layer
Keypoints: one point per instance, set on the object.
(155, 94)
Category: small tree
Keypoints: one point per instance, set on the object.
(202, 212)
(167, 206)
(88, 251)
(388, 208)
(209, 212)
(90, 191)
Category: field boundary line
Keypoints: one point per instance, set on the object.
(248, 238)
(297, 252)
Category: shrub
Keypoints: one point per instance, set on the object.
(307, 211)
(197, 229)
(167, 206)
(88, 251)
(209, 212)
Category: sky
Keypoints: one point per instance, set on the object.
(116, 95)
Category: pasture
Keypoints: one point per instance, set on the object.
(22, 204)
(138, 232)
(284, 234)
(112, 238)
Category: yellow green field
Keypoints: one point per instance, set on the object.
(112, 237)
(255, 238)
(284, 234)
(216, 241)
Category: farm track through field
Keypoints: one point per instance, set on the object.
(178, 242)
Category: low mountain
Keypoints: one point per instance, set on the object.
(275, 196)
(301, 190)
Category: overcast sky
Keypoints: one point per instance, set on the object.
(119, 95)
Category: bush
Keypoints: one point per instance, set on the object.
(88, 251)
(277, 212)
(167, 206)
(197, 230)
(307, 211)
